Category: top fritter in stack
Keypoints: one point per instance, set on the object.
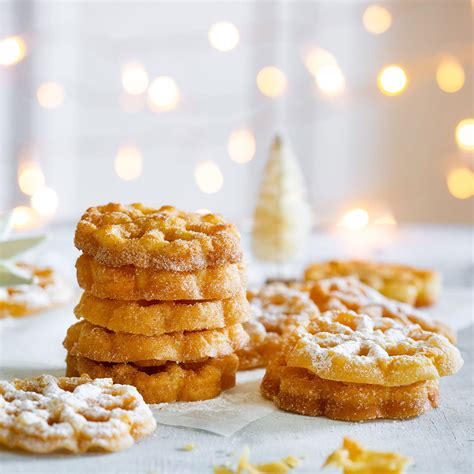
(163, 303)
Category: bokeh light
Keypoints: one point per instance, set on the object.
(50, 95)
(241, 146)
(223, 36)
(45, 202)
(128, 163)
(376, 19)
(465, 134)
(460, 183)
(450, 76)
(134, 78)
(271, 81)
(12, 50)
(354, 219)
(30, 177)
(316, 58)
(326, 71)
(330, 80)
(208, 177)
(163, 94)
(392, 80)
(23, 218)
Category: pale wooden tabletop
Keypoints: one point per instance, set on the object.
(439, 442)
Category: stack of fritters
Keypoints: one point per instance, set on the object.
(164, 301)
(364, 357)
(351, 366)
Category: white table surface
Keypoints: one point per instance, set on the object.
(440, 442)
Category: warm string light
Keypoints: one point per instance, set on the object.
(23, 218)
(450, 76)
(241, 146)
(330, 80)
(45, 202)
(363, 232)
(392, 80)
(50, 95)
(271, 81)
(316, 58)
(208, 177)
(326, 71)
(460, 182)
(12, 50)
(355, 219)
(134, 78)
(30, 177)
(376, 19)
(465, 134)
(128, 163)
(223, 36)
(163, 94)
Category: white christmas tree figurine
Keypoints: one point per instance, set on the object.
(282, 218)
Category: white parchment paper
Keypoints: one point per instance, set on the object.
(224, 415)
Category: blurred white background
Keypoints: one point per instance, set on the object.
(177, 102)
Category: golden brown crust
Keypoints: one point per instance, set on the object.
(300, 391)
(348, 347)
(399, 282)
(77, 414)
(155, 318)
(166, 383)
(348, 293)
(164, 238)
(259, 351)
(99, 344)
(132, 283)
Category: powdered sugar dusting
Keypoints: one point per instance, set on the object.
(277, 306)
(341, 293)
(47, 290)
(355, 346)
(71, 413)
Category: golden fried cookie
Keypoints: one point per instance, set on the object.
(164, 238)
(399, 282)
(348, 347)
(132, 283)
(76, 414)
(169, 382)
(262, 346)
(355, 459)
(301, 391)
(152, 318)
(276, 310)
(350, 293)
(47, 290)
(99, 344)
